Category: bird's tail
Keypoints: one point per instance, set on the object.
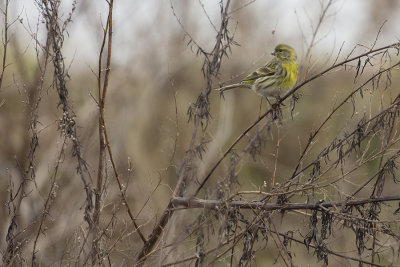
(232, 86)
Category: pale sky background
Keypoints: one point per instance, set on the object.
(138, 23)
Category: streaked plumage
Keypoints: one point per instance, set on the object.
(275, 78)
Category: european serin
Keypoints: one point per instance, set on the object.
(276, 77)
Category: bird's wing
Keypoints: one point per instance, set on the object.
(268, 70)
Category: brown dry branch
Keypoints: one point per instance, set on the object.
(261, 205)
(255, 224)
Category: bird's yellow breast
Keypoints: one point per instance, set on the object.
(291, 74)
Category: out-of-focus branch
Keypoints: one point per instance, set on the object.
(210, 68)
(5, 42)
(315, 32)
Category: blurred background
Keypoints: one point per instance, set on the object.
(155, 76)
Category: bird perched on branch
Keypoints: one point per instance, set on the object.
(276, 77)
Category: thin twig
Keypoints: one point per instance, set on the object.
(5, 43)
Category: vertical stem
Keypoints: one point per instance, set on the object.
(102, 91)
(276, 157)
(5, 44)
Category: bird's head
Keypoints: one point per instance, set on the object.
(284, 52)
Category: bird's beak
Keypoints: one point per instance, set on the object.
(273, 53)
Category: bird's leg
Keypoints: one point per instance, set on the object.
(276, 111)
(270, 105)
(275, 108)
(260, 110)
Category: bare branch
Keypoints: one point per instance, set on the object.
(220, 204)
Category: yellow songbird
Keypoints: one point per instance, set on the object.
(275, 78)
